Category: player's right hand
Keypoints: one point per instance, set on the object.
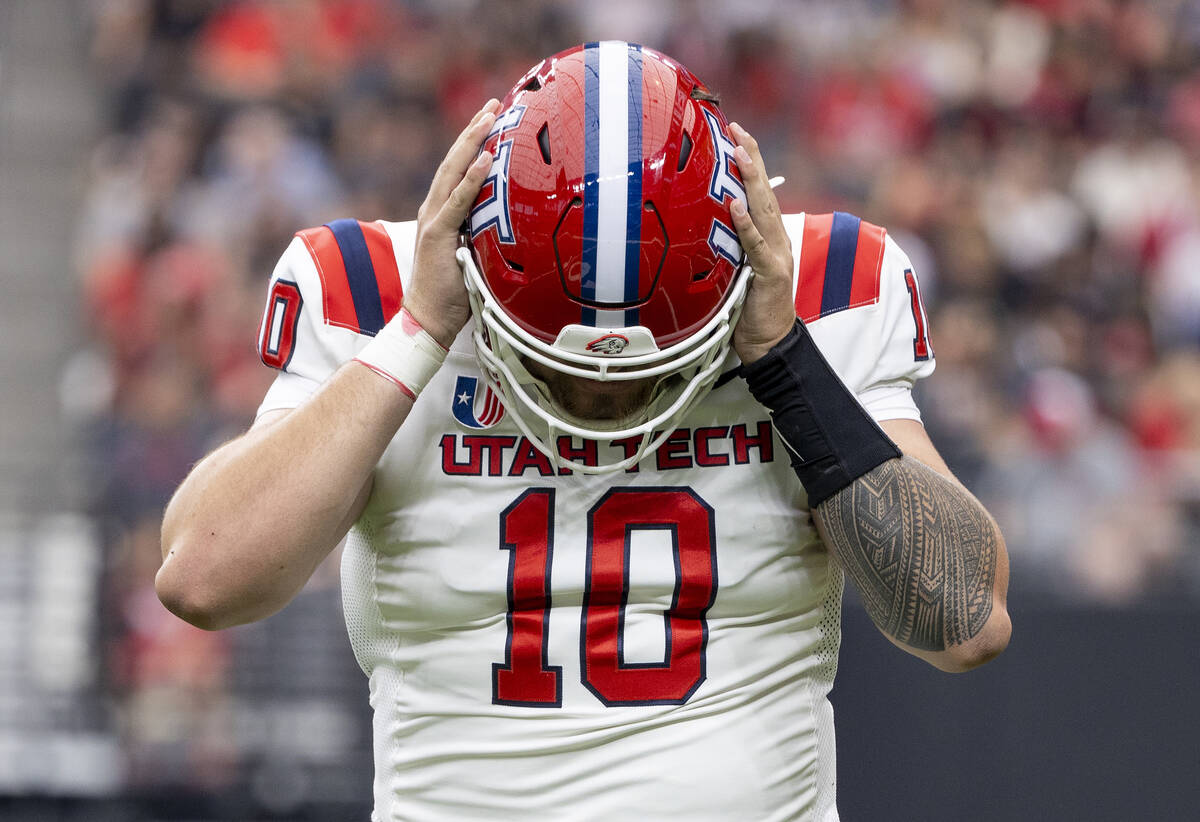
(437, 298)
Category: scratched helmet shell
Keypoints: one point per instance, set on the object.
(601, 244)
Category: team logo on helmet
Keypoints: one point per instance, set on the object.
(608, 344)
(472, 409)
(721, 239)
(724, 183)
(493, 210)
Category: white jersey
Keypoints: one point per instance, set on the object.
(656, 644)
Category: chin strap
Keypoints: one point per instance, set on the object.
(831, 438)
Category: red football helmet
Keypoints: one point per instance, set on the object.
(601, 245)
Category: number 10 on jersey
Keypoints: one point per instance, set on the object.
(526, 677)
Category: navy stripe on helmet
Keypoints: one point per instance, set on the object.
(591, 171)
(633, 224)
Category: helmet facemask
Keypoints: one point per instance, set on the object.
(685, 372)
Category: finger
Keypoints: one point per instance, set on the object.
(764, 207)
(492, 106)
(462, 152)
(460, 156)
(758, 252)
(458, 204)
(759, 195)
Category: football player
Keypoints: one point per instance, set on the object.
(606, 430)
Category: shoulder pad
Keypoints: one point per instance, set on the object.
(360, 282)
(841, 258)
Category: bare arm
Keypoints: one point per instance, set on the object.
(927, 558)
(252, 521)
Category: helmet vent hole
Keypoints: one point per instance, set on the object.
(543, 139)
(700, 275)
(514, 266)
(534, 84)
(685, 151)
(704, 95)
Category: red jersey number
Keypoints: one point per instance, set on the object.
(922, 350)
(277, 337)
(526, 677)
(526, 529)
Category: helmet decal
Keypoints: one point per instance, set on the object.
(508, 120)
(724, 183)
(721, 238)
(609, 344)
(724, 242)
(493, 209)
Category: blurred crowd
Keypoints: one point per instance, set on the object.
(1038, 159)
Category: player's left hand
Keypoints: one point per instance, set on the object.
(769, 312)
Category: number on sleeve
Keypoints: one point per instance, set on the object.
(277, 338)
(922, 350)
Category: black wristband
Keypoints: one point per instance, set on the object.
(831, 438)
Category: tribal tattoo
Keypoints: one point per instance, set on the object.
(920, 549)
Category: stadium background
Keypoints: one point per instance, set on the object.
(1038, 159)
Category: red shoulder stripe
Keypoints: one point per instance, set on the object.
(814, 251)
(360, 281)
(383, 259)
(841, 258)
(868, 263)
(337, 301)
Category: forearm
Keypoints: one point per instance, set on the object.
(927, 559)
(246, 529)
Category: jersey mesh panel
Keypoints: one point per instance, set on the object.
(372, 645)
(827, 655)
(364, 623)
